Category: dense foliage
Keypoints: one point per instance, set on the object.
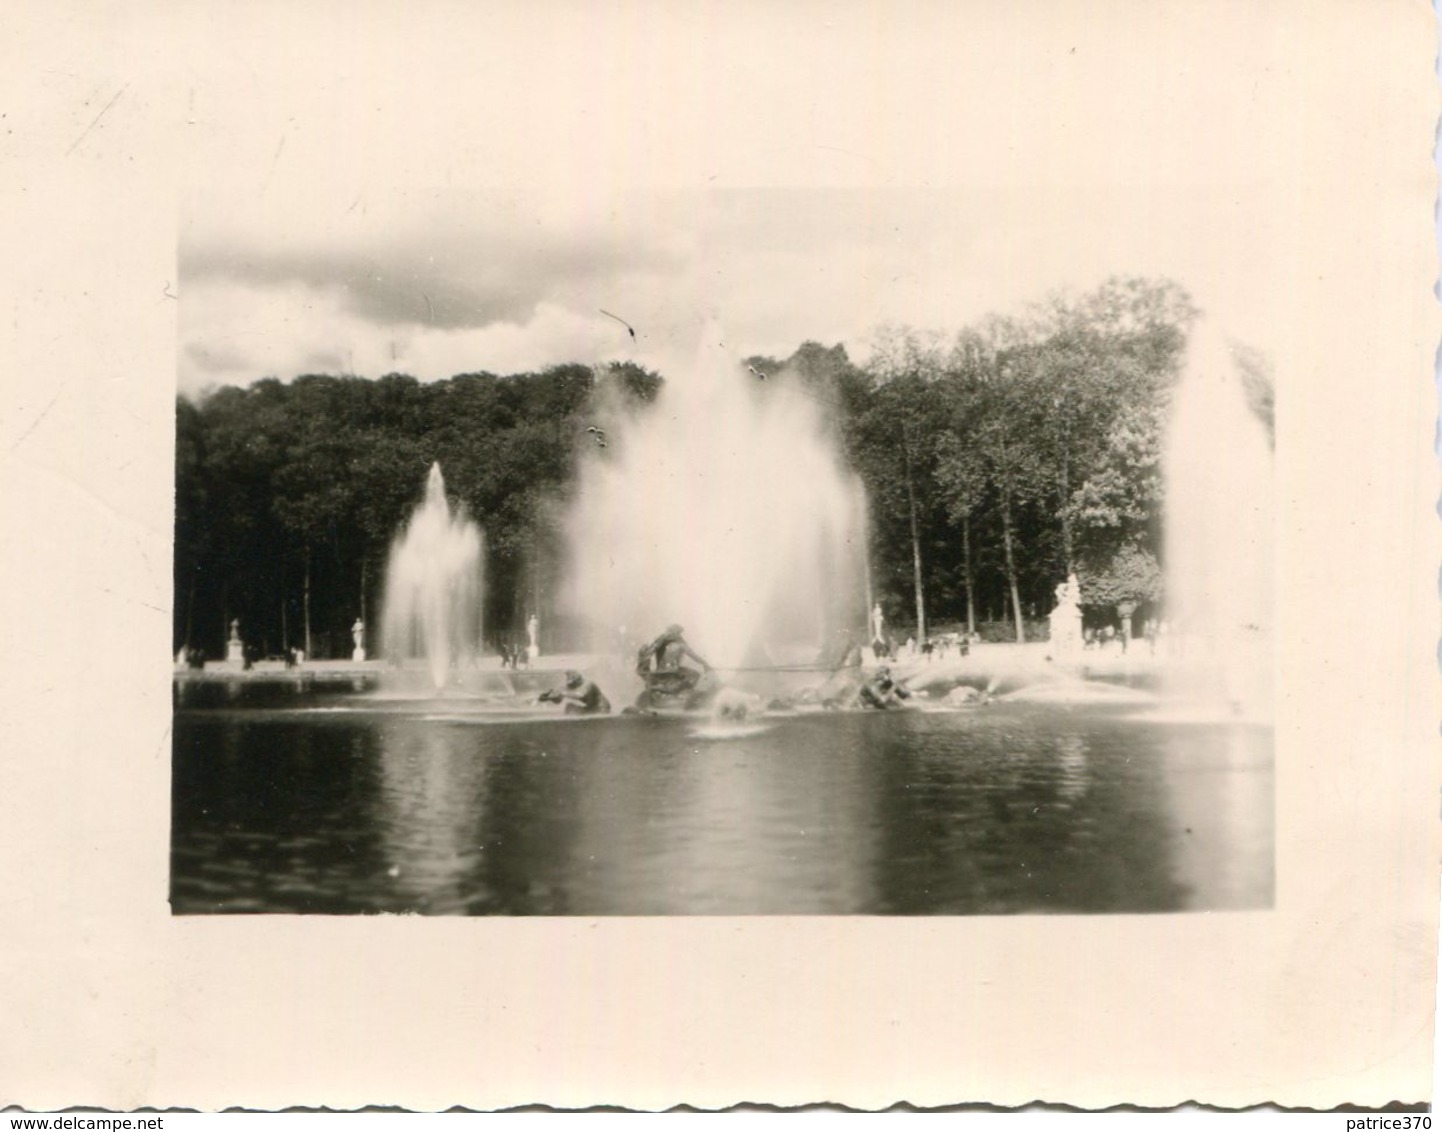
(996, 462)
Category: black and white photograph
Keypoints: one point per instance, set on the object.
(726, 553)
(657, 555)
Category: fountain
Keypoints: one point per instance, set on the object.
(432, 605)
(1218, 472)
(724, 507)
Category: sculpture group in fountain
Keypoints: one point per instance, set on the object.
(664, 527)
(1066, 620)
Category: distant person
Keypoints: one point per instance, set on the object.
(579, 696)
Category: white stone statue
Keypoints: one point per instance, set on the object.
(533, 632)
(358, 635)
(235, 648)
(1066, 620)
(878, 623)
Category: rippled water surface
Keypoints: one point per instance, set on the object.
(349, 804)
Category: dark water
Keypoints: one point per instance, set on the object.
(1011, 808)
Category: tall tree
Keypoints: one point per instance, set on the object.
(244, 435)
(894, 440)
(194, 530)
(1012, 461)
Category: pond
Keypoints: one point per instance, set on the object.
(306, 801)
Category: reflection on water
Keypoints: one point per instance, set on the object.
(1016, 808)
(1224, 799)
(429, 842)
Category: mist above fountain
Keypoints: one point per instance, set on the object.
(432, 607)
(723, 507)
(1219, 585)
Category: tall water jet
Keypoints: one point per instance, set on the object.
(722, 507)
(432, 605)
(1217, 465)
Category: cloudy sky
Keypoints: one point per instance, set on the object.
(457, 281)
(965, 161)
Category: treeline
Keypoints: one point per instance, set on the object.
(996, 461)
